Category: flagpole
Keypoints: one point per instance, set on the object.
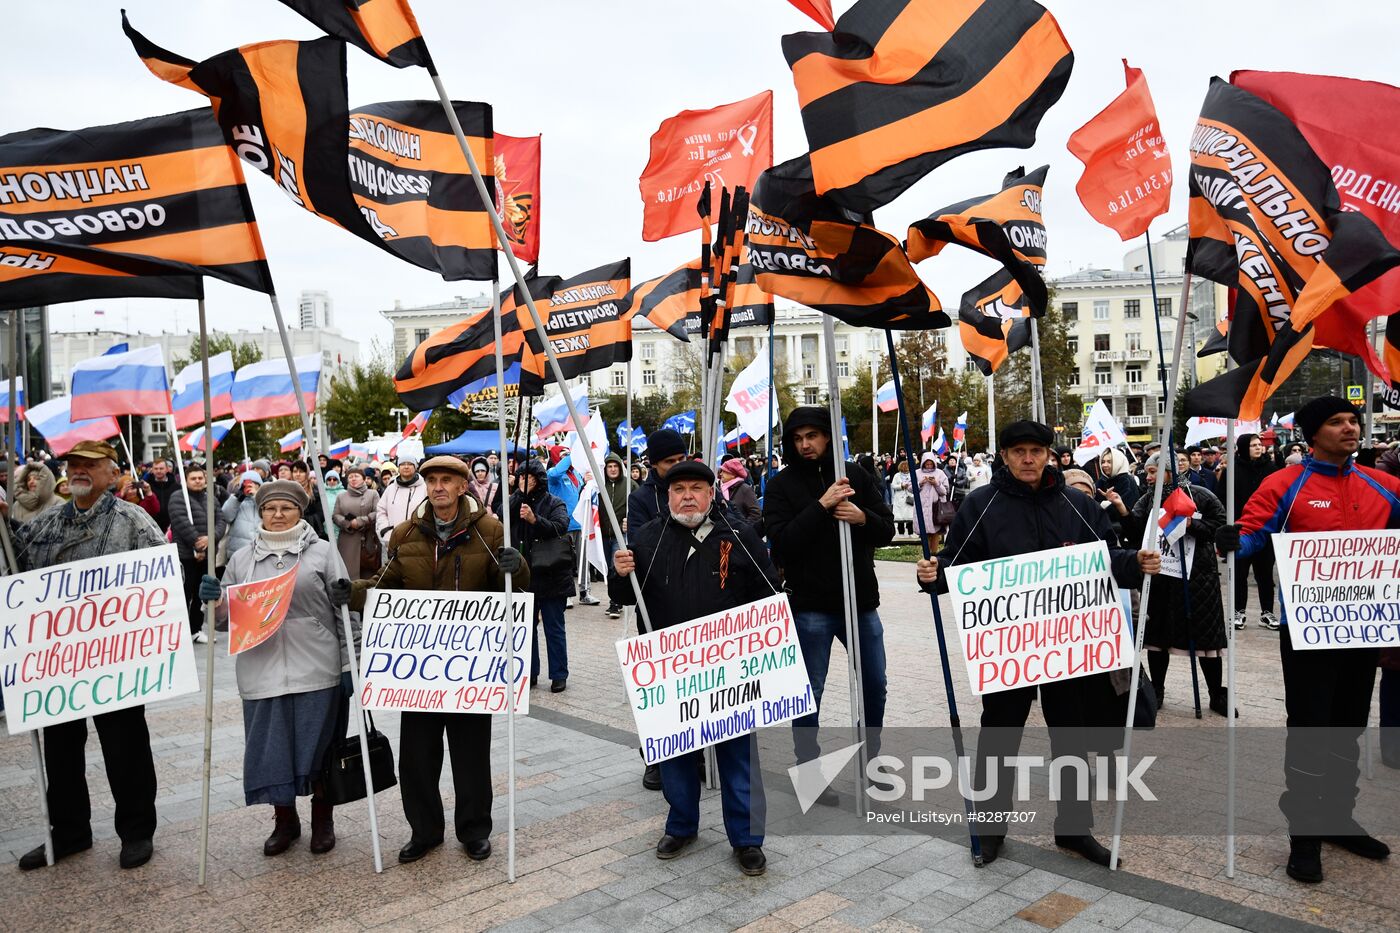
(1230, 571)
(992, 414)
(1147, 540)
(179, 462)
(130, 458)
(772, 401)
(247, 455)
(209, 548)
(509, 578)
(12, 422)
(1037, 377)
(489, 203)
(848, 582)
(311, 447)
(874, 412)
(954, 720)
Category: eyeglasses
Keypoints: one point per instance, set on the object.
(278, 509)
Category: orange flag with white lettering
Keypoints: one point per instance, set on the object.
(256, 610)
(1127, 170)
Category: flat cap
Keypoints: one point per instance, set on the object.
(92, 450)
(690, 469)
(445, 462)
(1019, 432)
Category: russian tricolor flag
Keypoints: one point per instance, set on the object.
(419, 422)
(359, 451)
(737, 438)
(132, 383)
(5, 398)
(1175, 511)
(553, 416)
(930, 423)
(940, 443)
(960, 431)
(264, 390)
(188, 391)
(290, 442)
(340, 449)
(54, 420)
(195, 440)
(884, 397)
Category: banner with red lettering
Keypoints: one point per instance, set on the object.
(94, 636)
(1040, 617)
(257, 609)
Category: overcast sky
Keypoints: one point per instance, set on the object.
(597, 77)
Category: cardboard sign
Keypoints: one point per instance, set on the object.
(94, 636)
(1340, 589)
(715, 678)
(1039, 617)
(257, 609)
(442, 652)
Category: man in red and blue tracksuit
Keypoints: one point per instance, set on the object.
(1327, 692)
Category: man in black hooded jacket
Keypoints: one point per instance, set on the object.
(801, 509)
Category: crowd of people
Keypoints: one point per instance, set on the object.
(702, 540)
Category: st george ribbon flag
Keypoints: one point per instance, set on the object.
(264, 390)
(131, 383)
(728, 146)
(386, 29)
(1101, 433)
(517, 171)
(902, 86)
(1127, 180)
(585, 320)
(458, 360)
(54, 420)
(668, 301)
(994, 321)
(187, 397)
(1266, 220)
(38, 272)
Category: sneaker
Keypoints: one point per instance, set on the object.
(589, 601)
(614, 611)
(1269, 621)
(1239, 620)
(200, 638)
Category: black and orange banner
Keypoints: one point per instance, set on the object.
(902, 86)
(396, 177)
(585, 320)
(456, 356)
(517, 171)
(386, 29)
(667, 301)
(993, 321)
(1265, 218)
(753, 307)
(803, 247)
(1006, 226)
(165, 191)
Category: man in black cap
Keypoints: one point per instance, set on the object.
(1327, 693)
(802, 508)
(695, 562)
(1026, 508)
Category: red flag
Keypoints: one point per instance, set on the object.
(1338, 118)
(728, 146)
(819, 10)
(518, 193)
(1127, 170)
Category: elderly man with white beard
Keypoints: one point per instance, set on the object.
(694, 563)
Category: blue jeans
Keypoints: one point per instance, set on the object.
(550, 611)
(815, 630)
(741, 792)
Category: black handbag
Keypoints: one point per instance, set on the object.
(1145, 712)
(343, 778)
(944, 513)
(550, 554)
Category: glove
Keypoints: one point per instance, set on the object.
(1227, 538)
(340, 592)
(210, 590)
(509, 559)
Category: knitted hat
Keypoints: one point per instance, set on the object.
(283, 490)
(664, 443)
(1312, 416)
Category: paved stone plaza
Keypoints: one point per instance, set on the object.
(586, 832)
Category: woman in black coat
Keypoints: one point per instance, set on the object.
(1186, 617)
(539, 529)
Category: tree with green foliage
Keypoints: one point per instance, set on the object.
(359, 402)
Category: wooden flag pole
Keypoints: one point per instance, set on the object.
(535, 318)
(210, 545)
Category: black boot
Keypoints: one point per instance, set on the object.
(286, 831)
(1305, 859)
(322, 826)
(1157, 663)
(1219, 696)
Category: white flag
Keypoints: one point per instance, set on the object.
(595, 435)
(1203, 429)
(587, 516)
(1101, 432)
(751, 397)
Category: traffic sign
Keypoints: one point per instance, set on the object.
(1355, 394)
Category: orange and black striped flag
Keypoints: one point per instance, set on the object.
(386, 29)
(1217, 342)
(802, 246)
(753, 307)
(455, 356)
(667, 300)
(585, 319)
(161, 193)
(902, 86)
(1266, 219)
(1006, 226)
(389, 173)
(994, 321)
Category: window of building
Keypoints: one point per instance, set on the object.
(421, 334)
(648, 377)
(1069, 310)
(1132, 308)
(811, 396)
(1101, 309)
(619, 379)
(1072, 341)
(1136, 406)
(1132, 375)
(648, 350)
(1164, 307)
(873, 342)
(743, 346)
(1102, 342)
(940, 340)
(970, 365)
(843, 343)
(1074, 377)
(843, 369)
(809, 370)
(1133, 340)
(1161, 406)
(940, 367)
(158, 425)
(1108, 403)
(1103, 375)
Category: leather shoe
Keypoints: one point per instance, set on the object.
(752, 861)
(478, 850)
(1087, 846)
(991, 848)
(671, 846)
(651, 777)
(557, 686)
(414, 849)
(1305, 859)
(136, 853)
(34, 858)
(1361, 843)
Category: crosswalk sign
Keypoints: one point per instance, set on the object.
(1354, 394)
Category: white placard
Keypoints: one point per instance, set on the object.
(1340, 589)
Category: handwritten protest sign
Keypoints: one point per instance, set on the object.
(435, 652)
(1039, 617)
(94, 636)
(715, 678)
(256, 610)
(1341, 589)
